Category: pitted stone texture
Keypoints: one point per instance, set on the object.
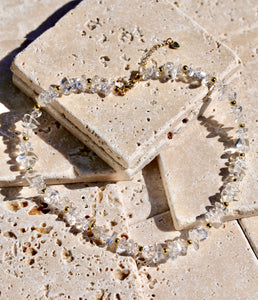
(214, 271)
(144, 196)
(43, 258)
(193, 168)
(106, 38)
(249, 226)
(222, 18)
(62, 157)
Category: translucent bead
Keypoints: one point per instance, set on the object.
(123, 246)
(36, 113)
(168, 67)
(242, 145)
(237, 109)
(214, 216)
(73, 83)
(190, 71)
(100, 235)
(174, 249)
(110, 239)
(53, 93)
(159, 255)
(52, 197)
(65, 86)
(148, 252)
(206, 80)
(197, 235)
(95, 84)
(43, 99)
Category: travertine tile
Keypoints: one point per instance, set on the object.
(62, 158)
(144, 196)
(193, 167)
(223, 268)
(250, 227)
(222, 19)
(117, 33)
(43, 258)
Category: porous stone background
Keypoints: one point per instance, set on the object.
(42, 259)
(109, 43)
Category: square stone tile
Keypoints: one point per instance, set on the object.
(109, 40)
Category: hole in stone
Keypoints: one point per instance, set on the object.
(121, 274)
(185, 120)
(170, 135)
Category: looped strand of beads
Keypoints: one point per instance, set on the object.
(158, 252)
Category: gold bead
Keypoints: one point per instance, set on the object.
(225, 203)
(213, 80)
(89, 81)
(241, 125)
(37, 106)
(116, 241)
(161, 69)
(138, 76)
(43, 191)
(185, 68)
(189, 242)
(140, 249)
(234, 179)
(242, 154)
(165, 250)
(209, 225)
(58, 88)
(29, 168)
(233, 102)
(66, 209)
(25, 138)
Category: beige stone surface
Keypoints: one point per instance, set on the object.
(223, 19)
(224, 267)
(62, 158)
(156, 109)
(250, 227)
(43, 258)
(191, 168)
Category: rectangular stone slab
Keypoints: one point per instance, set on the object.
(42, 257)
(192, 167)
(202, 274)
(108, 40)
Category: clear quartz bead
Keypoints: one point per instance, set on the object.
(168, 67)
(206, 80)
(190, 71)
(110, 239)
(43, 99)
(159, 254)
(100, 235)
(197, 235)
(148, 252)
(65, 86)
(214, 216)
(52, 197)
(174, 249)
(123, 246)
(53, 93)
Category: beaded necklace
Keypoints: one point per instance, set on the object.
(121, 244)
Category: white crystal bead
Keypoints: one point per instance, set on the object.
(43, 99)
(52, 197)
(197, 235)
(148, 252)
(123, 246)
(174, 249)
(65, 86)
(214, 216)
(110, 239)
(159, 254)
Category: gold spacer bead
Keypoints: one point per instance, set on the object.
(161, 69)
(92, 225)
(213, 80)
(43, 191)
(241, 125)
(185, 68)
(225, 203)
(29, 169)
(233, 103)
(189, 242)
(66, 209)
(234, 179)
(89, 81)
(37, 106)
(140, 249)
(117, 240)
(25, 138)
(165, 250)
(209, 225)
(242, 154)
(58, 88)
(138, 76)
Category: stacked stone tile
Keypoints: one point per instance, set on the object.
(60, 260)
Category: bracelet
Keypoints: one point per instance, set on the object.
(99, 235)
